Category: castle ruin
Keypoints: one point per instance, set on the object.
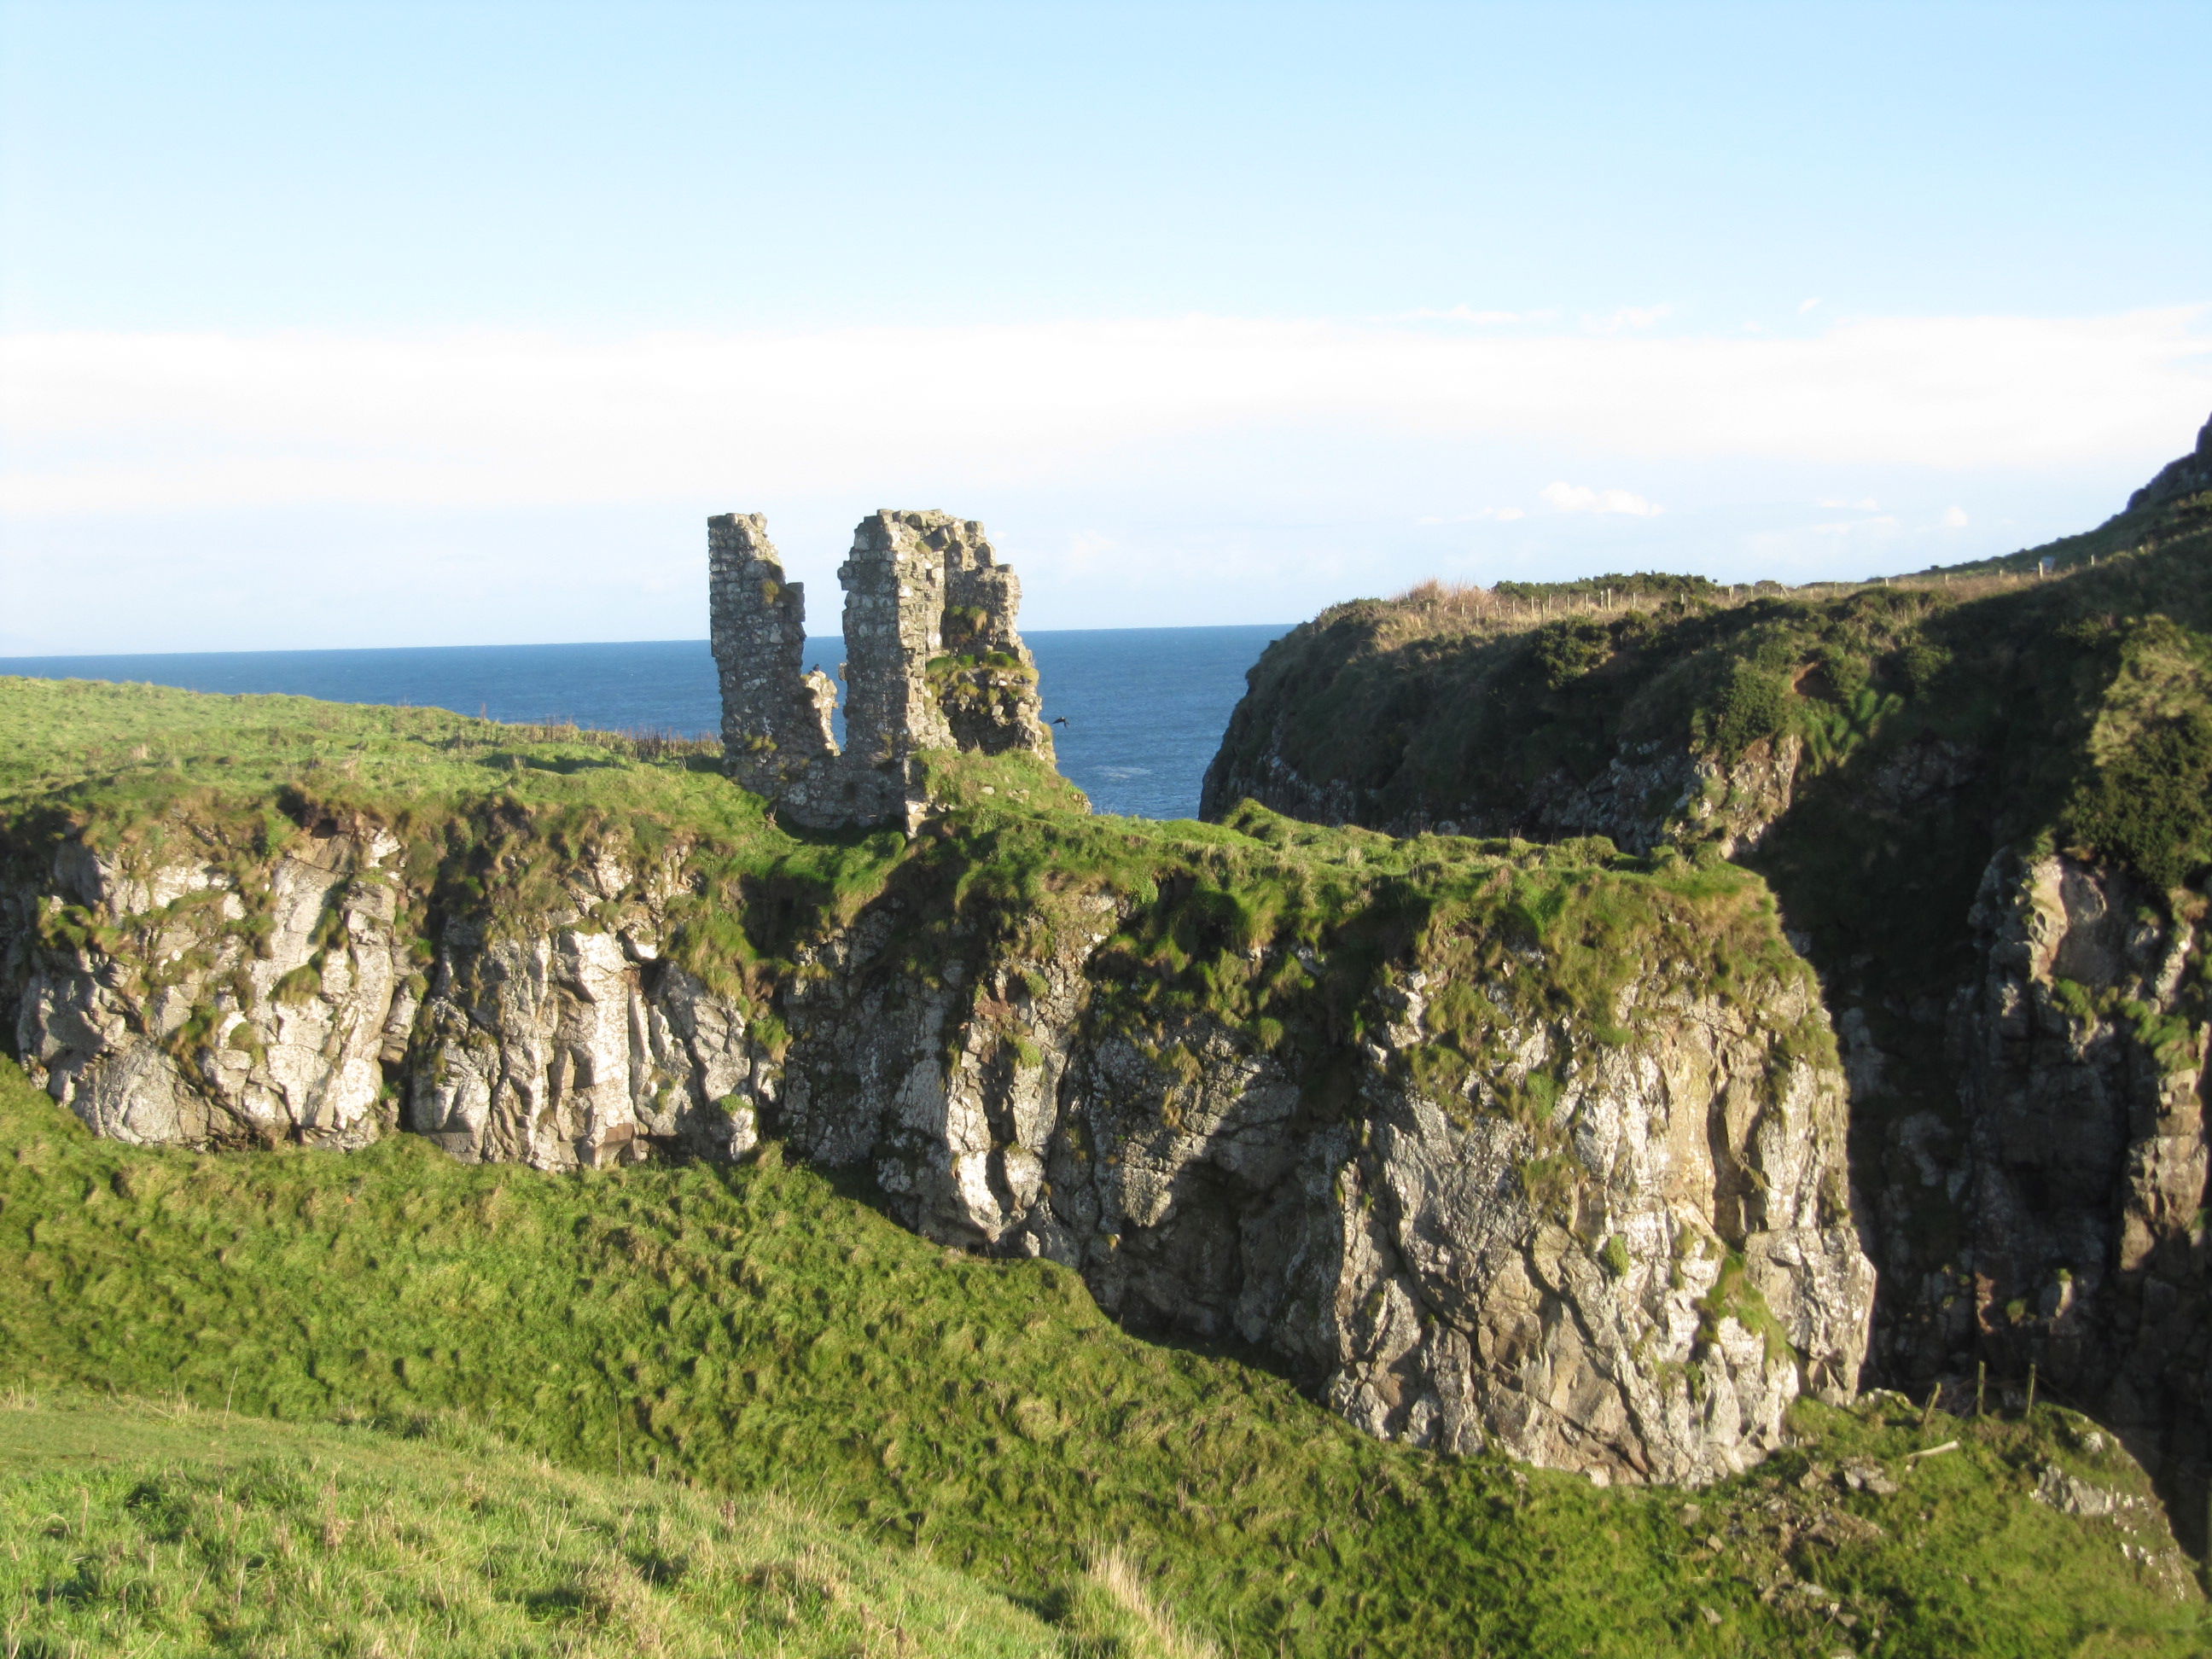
(932, 662)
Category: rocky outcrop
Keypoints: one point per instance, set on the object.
(173, 1003)
(2191, 475)
(189, 1002)
(1654, 794)
(932, 663)
(1635, 1282)
(1623, 1249)
(1956, 795)
(2081, 1049)
(1345, 723)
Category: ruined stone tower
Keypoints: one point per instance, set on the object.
(933, 662)
(775, 719)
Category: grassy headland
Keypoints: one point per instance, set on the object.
(762, 1329)
(1276, 928)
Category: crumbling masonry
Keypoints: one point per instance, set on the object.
(933, 662)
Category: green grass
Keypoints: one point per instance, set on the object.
(159, 1530)
(763, 1334)
(2121, 534)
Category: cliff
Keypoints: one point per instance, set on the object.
(1981, 797)
(1489, 1143)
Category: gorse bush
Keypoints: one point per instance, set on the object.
(2150, 806)
(1755, 705)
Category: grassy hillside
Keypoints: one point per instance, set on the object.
(2153, 526)
(762, 1333)
(161, 1530)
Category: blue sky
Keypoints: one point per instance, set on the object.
(391, 324)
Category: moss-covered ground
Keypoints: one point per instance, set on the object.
(755, 1332)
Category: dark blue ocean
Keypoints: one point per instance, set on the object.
(1144, 706)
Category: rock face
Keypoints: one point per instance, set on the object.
(2189, 476)
(119, 1017)
(2084, 1159)
(1647, 795)
(933, 662)
(1635, 1283)
(185, 1004)
(1631, 1271)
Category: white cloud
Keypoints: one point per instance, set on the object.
(1806, 306)
(1577, 498)
(1494, 514)
(1883, 528)
(1628, 316)
(1086, 550)
(1954, 518)
(216, 492)
(1468, 314)
(105, 422)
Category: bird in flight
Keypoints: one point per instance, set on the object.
(1059, 719)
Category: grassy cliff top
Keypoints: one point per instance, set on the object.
(762, 1333)
(111, 750)
(1277, 927)
(2088, 690)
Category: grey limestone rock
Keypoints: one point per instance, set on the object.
(237, 1014)
(2084, 1158)
(1636, 1287)
(1649, 794)
(1635, 1282)
(292, 1009)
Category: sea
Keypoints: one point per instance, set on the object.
(1144, 707)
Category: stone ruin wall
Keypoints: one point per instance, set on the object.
(775, 718)
(933, 662)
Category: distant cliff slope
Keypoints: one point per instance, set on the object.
(1983, 798)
